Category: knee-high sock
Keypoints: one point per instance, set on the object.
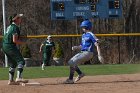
(78, 70)
(72, 70)
(19, 72)
(43, 65)
(11, 73)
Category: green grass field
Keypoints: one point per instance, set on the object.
(63, 71)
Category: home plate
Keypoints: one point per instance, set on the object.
(31, 84)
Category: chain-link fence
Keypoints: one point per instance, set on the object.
(115, 48)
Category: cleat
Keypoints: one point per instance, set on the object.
(68, 81)
(13, 83)
(20, 80)
(79, 77)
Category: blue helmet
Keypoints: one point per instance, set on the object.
(87, 24)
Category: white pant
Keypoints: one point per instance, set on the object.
(81, 57)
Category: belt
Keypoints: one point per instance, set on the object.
(84, 50)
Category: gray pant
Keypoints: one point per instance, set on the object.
(81, 57)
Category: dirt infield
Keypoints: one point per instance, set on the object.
(89, 84)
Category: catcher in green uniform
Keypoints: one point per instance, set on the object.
(47, 46)
(10, 41)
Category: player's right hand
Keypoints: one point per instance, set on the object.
(73, 48)
(76, 48)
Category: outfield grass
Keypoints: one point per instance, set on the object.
(63, 71)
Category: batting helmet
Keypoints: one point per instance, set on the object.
(87, 24)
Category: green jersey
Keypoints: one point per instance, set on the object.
(11, 30)
(47, 46)
(10, 48)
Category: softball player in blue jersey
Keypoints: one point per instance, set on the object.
(89, 40)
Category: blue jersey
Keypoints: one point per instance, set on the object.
(88, 40)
